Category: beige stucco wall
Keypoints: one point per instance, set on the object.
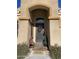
(51, 4)
(24, 9)
(23, 32)
(39, 2)
(55, 32)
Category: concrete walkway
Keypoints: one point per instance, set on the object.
(38, 55)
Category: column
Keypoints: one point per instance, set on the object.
(23, 32)
(34, 34)
(51, 32)
(55, 33)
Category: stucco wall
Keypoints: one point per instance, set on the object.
(51, 4)
(55, 32)
(23, 32)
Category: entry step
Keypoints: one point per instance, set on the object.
(40, 48)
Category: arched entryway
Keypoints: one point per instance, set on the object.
(40, 25)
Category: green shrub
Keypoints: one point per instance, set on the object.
(20, 57)
(55, 51)
(22, 49)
